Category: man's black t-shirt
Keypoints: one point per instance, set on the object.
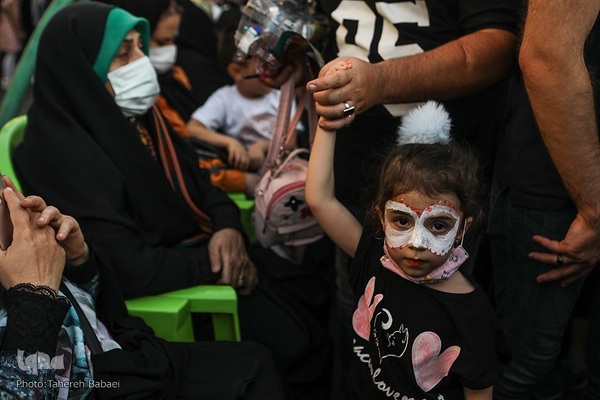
(376, 31)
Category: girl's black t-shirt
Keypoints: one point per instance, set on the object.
(412, 340)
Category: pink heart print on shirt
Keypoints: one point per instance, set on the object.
(361, 319)
(429, 366)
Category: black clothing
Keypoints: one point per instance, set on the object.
(90, 162)
(198, 53)
(396, 342)
(522, 148)
(82, 155)
(476, 118)
(145, 367)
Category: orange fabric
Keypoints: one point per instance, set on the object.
(180, 75)
(170, 163)
(170, 114)
(223, 177)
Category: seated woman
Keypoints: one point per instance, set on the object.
(96, 148)
(47, 353)
(178, 98)
(176, 63)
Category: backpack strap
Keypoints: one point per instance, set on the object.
(285, 128)
(282, 123)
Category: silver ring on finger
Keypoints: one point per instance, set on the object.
(348, 109)
(559, 260)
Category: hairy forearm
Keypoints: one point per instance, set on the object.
(561, 94)
(456, 69)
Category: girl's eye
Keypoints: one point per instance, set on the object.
(402, 222)
(438, 228)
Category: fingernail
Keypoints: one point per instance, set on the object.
(42, 219)
(312, 87)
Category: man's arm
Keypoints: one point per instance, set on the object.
(455, 69)
(561, 94)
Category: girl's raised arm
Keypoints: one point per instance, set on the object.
(335, 219)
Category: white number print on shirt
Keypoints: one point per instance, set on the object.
(361, 30)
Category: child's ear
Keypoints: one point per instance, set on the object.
(468, 224)
(462, 232)
(235, 71)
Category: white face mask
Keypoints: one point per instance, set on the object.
(163, 57)
(135, 86)
(418, 234)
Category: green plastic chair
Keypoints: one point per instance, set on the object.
(169, 318)
(221, 304)
(246, 207)
(10, 136)
(169, 314)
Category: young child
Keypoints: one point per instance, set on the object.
(239, 118)
(422, 330)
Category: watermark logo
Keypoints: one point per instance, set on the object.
(39, 361)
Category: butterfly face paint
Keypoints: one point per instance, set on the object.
(419, 228)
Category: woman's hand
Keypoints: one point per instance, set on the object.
(229, 257)
(68, 232)
(34, 256)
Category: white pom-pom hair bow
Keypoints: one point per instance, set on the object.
(428, 123)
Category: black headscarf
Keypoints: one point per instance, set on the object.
(83, 156)
(197, 54)
(151, 10)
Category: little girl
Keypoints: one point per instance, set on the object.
(422, 330)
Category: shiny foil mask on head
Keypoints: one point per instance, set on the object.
(418, 234)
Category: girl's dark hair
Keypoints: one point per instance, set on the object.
(435, 169)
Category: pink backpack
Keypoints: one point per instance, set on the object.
(281, 214)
